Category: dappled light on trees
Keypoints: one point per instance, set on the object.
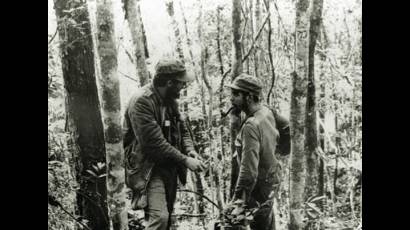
(307, 54)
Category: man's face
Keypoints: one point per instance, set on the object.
(174, 89)
(238, 100)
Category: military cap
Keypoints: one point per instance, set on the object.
(174, 68)
(247, 83)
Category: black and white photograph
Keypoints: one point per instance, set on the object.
(205, 114)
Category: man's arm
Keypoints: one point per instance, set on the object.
(248, 171)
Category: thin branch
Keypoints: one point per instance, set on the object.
(270, 52)
(203, 196)
(272, 85)
(126, 52)
(218, 41)
(52, 201)
(52, 38)
(284, 29)
(250, 49)
(256, 38)
(127, 76)
(333, 67)
(189, 215)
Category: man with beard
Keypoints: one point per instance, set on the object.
(256, 144)
(158, 148)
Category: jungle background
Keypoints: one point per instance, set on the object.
(215, 39)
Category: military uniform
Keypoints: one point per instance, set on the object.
(156, 141)
(256, 143)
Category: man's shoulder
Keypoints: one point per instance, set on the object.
(256, 118)
(251, 123)
(143, 93)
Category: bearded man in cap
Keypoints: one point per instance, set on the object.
(256, 144)
(158, 148)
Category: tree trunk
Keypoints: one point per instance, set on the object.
(196, 178)
(222, 123)
(272, 68)
(82, 109)
(111, 113)
(236, 70)
(311, 141)
(179, 49)
(174, 23)
(258, 55)
(214, 171)
(133, 16)
(249, 36)
(322, 109)
(298, 116)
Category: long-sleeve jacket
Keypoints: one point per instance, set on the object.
(154, 135)
(256, 145)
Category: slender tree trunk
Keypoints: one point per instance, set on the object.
(311, 141)
(82, 109)
(111, 113)
(133, 16)
(177, 33)
(196, 178)
(189, 44)
(214, 171)
(272, 68)
(179, 49)
(244, 38)
(336, 171)
(298, 116)
(236, 70)
(258, 58)
(197, 181)
(322, 109)
(222, 123)
(250, 37)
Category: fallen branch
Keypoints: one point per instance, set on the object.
(199, 194)
(189, 215)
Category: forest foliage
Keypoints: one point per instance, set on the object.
(338, 80)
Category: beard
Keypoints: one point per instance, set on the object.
(172, 93)
(237, 109)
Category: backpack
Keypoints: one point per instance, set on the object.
(282, 124)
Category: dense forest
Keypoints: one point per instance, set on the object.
(307, 54)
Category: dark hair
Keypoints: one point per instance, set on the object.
(254, 97)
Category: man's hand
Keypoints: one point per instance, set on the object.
(194, 164)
